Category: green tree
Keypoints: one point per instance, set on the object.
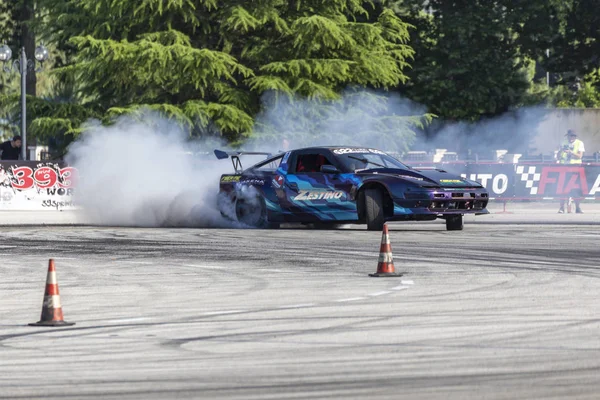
(16, 18)
(577, 49)
(468, 63)
(574, 60)
(206, 64)
(8, 28)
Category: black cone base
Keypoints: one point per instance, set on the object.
(386, 275)
(51, 323)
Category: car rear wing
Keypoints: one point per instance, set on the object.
(235, 157)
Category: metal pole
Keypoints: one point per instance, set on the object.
(23, 103)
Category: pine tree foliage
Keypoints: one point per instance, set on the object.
(207, 63)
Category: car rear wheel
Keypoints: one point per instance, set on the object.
(454, 223)
(374, 209)
(251, 212)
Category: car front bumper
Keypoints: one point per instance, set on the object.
(442, 202)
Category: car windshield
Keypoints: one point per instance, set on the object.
(362, 161)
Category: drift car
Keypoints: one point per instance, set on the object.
(336, 185)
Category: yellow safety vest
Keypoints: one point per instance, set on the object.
(576, 147)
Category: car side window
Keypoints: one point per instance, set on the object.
(311, 162)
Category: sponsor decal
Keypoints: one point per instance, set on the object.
(348, 151)
(286, 156)
(499, 182)
(57, 204)
(565, 179)
(530, 177)
(308, 195)
(451, 182)
(253, 181)
(596, 186)
(231, 178)
(278, 181)
(36, 185)
(43, 176)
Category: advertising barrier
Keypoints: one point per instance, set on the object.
(34, 185)
(30, 185)
(529, 181)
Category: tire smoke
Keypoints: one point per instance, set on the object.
(146, 174)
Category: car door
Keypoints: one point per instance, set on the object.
(313, 195)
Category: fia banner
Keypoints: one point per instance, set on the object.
(557, 180)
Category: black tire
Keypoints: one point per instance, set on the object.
(374, 209)
(454, 223)
(251, 212)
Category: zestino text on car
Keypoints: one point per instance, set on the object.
(337, 185)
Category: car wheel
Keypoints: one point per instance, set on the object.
(251, 212)
(374, 209)
(454, 223)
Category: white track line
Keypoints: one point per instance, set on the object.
(297, 306)
(379, 293)
(407, 282)
(114, 321)
(351, 299)
(400, 288)
(203, 266)
(223, 312)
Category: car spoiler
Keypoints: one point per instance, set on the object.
(235, 157)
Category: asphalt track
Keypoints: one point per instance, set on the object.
(506, 309)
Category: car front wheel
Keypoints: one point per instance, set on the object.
(374, 209)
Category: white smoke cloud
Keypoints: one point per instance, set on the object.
(359, 118)
(146, 174)
(514, 131)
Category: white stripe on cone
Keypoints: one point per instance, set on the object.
(386, 257)
(52, 302)
(51, 279)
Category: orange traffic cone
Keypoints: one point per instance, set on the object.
(385, 266)
(52, 314)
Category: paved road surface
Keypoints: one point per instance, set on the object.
(498, 311)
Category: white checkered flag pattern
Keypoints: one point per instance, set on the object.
(529, 177)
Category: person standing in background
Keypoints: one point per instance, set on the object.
(11, 149)
(571, 152)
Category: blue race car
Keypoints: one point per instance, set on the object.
(338, 185)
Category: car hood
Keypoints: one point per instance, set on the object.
(426, 178)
